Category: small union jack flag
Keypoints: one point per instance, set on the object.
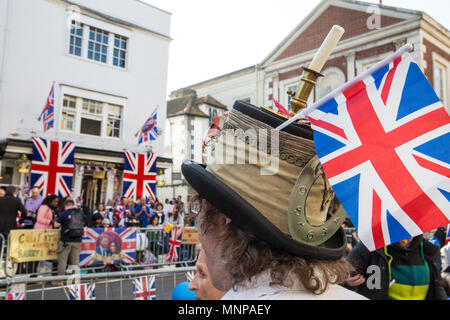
(174, 243)
(16, 292)
(447, 238)
(149, 130)
(85, 291)
(144, 288)
(190, 275)
(384, 144)
(48, 113)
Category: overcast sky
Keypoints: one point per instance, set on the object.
(213, 37)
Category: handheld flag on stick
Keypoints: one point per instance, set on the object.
(48, 113)
(174, 243)
(149, 130)
(384, 142)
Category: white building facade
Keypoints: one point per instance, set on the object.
(108, 61)
(189, 116)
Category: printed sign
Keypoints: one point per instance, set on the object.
(108, 246)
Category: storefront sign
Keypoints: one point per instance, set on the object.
(33, 245)
(101, 164)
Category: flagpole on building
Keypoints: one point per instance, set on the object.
(301, 114)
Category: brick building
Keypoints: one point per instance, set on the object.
(371, 33)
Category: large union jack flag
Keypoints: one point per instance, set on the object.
(139, 175)
(174, 243)
(52, 166)
(384, 144)
(85, 291)
(93, 253)
(149, 130)
(48, 113)
(144, 288)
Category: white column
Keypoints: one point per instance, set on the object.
(350, 66)
(109, 186)
(275, 86)
(77, 183)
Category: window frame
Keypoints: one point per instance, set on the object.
(103, 99)
(111, 31)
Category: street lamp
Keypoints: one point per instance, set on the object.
(160, 177)
(23, 166)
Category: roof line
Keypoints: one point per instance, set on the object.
(222, 76)
(150, 5)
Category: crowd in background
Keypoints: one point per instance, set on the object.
(37, 212)
(421, 263)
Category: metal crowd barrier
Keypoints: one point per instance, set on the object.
(108, 285)
(156, 252)
(152, 254)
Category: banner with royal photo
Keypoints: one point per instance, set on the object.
(33, 245)
(105, 246)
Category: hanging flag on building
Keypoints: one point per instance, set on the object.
(139, 175)
(174, 243)
(48, 113)
(144, 288)
(149, 130)
(52, 166)
(384, 143)
(190, 275)
(85, 291)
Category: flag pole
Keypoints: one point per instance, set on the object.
(406, 48)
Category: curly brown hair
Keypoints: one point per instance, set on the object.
(245, 256)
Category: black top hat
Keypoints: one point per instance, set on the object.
(264, 202)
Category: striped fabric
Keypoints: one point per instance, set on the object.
(409, 273)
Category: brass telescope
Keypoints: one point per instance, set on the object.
(312, 73)
(305, 87)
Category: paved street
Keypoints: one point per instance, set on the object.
(110, 290)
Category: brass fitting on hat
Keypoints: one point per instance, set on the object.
(305, 86)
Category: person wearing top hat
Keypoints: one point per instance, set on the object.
(263, 208)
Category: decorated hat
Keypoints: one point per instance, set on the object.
(270, 184)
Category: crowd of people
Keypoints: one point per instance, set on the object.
(37, 212)
(71, 216)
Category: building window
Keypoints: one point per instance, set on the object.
(120, 51)
(113, 122)
(76, 39)
(98, 45)
(439, 74)
(69, 111)
(91, 117)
